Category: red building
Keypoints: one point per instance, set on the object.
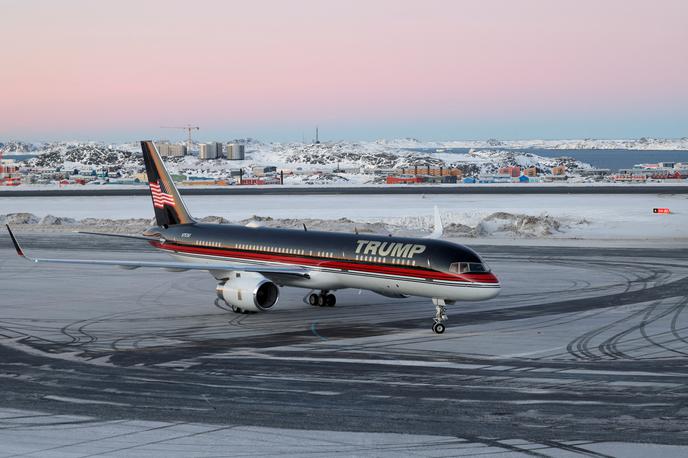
(511, 170)
(404, 180)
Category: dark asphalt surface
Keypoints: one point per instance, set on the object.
(270, 370)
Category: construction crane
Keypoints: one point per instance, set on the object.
(188, 128)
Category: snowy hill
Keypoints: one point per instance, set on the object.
(352, 162)
(643, 143)
(84, 155)
(14, 147)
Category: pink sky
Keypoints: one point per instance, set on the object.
(360, 69)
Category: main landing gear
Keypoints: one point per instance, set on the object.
(440, 316)
(324, 299)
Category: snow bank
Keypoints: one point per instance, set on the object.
(19, 218)
(545, 216)
(498, 224)
(518, 225)
(28, 222)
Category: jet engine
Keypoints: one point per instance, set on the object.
(248, 291)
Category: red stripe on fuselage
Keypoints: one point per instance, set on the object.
(328, 263)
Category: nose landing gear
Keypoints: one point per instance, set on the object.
(324, 299)
(438, 328)
(440, 316)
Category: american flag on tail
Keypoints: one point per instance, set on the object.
(160, 198)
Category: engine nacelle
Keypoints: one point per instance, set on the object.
(248, 291)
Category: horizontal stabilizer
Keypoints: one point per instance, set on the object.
(124, 236)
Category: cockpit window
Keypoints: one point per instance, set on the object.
(468, 267)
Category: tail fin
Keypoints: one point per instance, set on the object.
(168, 204)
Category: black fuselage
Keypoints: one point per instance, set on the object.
(269, 244)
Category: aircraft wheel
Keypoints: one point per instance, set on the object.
(314, 299)
(330, 300)
(321, 300)
(236, 309)
(438, 328)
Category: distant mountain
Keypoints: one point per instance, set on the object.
(642, 143)
(14, 147)
(85, 155)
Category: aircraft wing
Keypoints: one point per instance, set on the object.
(169, 265)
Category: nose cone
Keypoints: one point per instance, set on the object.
(494, 290)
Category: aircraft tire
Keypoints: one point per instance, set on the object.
(438, 328)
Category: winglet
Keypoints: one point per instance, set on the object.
(17, 247)
(439, 228)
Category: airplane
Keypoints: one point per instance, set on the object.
(252, 263)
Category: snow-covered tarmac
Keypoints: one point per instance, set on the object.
(38, 434)
(583, 353)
